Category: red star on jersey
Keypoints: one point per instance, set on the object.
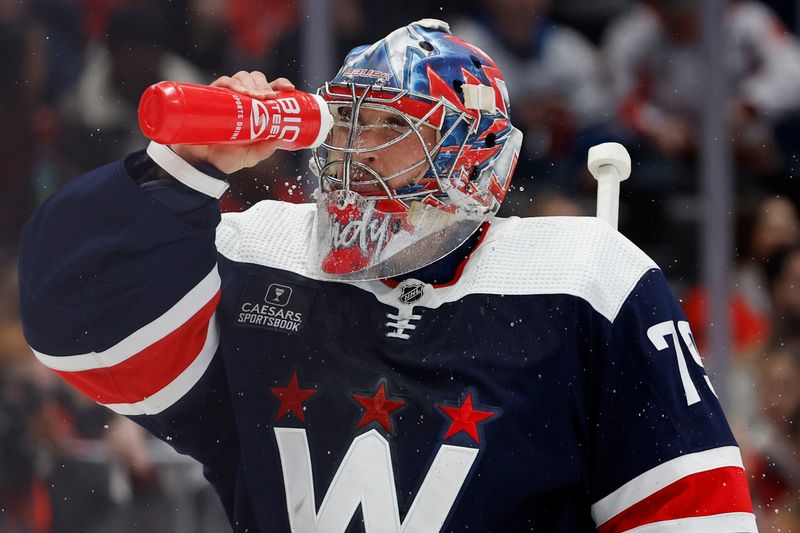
(292, 398)
(378, 408)
(465, 418)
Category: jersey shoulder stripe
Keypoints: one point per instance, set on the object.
(189, 305)
(671, 491)
(169, 385)
(154, 366)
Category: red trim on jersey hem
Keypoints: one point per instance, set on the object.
(719, 491)
(484, 229)
(150, 370)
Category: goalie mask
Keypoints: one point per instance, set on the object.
(420, 155)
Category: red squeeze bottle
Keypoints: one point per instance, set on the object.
(184, 113)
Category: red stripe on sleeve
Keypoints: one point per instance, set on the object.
(718, 491)
(147, 372)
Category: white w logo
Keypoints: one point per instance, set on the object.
(258, 119)
(366, 478)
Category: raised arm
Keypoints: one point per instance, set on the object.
(119, 286)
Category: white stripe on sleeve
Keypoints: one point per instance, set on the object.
(148, 335)
(661, 476)
(718, 523)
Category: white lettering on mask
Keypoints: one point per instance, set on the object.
(366, 231)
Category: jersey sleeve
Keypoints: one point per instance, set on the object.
(118, 288)
(661, 456)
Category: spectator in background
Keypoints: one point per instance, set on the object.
(764, 226)
(258, 26)
(589, 18)
(23, 74)
(553, 78)
(771, 446)
(65, 42)
(655, 62)
(227, 35)
(654, 55)
(199, 31)
(101, 111)
(24, 499)
(783, 280)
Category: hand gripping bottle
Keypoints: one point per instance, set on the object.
(183, 113)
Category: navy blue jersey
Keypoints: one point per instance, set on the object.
(553, 386)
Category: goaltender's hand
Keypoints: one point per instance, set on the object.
(232, 157)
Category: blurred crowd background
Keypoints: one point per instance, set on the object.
(578, 73)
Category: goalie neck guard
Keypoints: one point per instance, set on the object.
(420, 155)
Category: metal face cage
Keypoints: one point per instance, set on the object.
(334, 163)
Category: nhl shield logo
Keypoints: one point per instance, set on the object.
(411, 293)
